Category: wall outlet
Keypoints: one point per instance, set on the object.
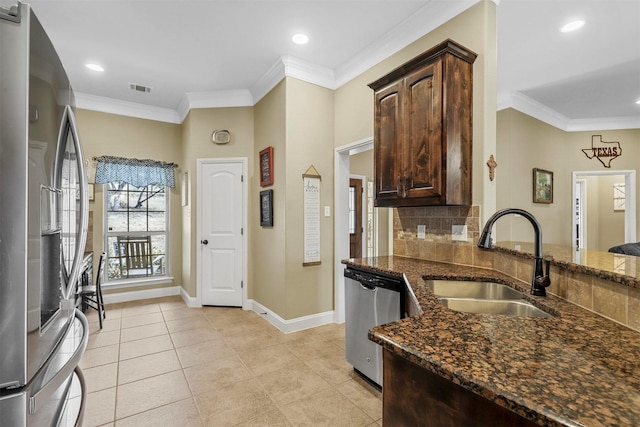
(459, 233)
(422, 232)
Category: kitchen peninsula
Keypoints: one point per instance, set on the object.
(574, 368)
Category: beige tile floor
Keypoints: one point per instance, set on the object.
(159, 363)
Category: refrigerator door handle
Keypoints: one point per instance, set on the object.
(40, 397)
(83, 397)
(69, 126)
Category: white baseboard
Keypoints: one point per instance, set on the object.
(188, 299)
(113, 298)
(291, 325)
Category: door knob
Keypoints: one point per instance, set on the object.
(204, 242)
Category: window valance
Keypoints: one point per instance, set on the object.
(136, 172)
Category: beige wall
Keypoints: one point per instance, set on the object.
(196, 144)
(605, 225)
(267, 245)
(309, 128)
(113, 135)
(524, 143)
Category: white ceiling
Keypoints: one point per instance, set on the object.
(208, 53)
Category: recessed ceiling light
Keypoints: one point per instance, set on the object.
(300, 39)
(572, 26)
(638, 102)
(94, 67)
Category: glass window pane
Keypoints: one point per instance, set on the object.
(138, 221)
(113, 267)
(137, 200)
(157, 202)
(112, 247)
(156, 221)
(117, 221)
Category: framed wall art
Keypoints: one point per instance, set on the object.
(542, 186)
(266, 167)
(266, 208)
(311, 216)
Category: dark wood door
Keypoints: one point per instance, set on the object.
(388, 158)
(422, 141)
(355, 218)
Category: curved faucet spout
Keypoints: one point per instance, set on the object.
(539, 281)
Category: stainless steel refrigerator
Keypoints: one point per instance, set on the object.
(43, 229)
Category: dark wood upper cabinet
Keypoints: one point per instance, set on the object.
(423, 129)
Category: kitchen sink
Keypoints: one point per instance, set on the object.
(510, 308)
(476, 290)
(483, 297)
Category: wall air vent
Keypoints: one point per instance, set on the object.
(139, 88)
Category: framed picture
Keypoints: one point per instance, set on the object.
(542, 186)
(266, 208)
(266, 167)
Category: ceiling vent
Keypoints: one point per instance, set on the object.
(139, 88)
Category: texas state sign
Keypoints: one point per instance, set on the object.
(604, 151)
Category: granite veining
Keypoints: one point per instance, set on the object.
(573, 369)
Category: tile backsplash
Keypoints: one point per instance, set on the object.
(437, 244)
(615, 301)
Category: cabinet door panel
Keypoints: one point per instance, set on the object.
(423, 132)
(388, 134)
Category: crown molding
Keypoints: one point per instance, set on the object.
(308, 72)
(426, 19)
(604, 123)
(268, 81)
(214, 99)
(125, 108)
(533, 108)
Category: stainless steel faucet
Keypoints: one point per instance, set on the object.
(540, 280)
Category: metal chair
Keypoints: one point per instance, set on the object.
(92, 294)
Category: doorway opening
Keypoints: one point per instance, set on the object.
(604, 209)
(377, 222)
(356, 202)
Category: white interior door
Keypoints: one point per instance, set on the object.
(222, 212)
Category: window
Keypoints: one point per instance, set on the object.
(137, 231)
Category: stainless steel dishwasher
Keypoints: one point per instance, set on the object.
(371, 299)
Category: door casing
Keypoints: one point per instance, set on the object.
(630, 200)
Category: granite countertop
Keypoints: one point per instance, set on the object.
(619, 268)
(575, 369)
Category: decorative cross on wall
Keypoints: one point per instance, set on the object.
(492, 167)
